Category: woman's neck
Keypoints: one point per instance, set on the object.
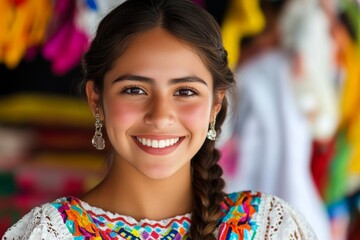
(128, 192)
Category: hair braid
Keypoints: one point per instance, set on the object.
(195, 26)
(208, 192)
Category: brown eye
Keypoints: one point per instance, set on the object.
(134, 91)
(186, 92)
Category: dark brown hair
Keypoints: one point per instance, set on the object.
(192, 24)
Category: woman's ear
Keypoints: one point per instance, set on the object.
(220, 94)
(92, 96)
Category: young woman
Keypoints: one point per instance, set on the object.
(157, 77)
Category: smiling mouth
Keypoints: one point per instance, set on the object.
(155, 143)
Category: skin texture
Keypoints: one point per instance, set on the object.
(158, 89)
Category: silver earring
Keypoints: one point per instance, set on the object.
(211, 134)
(98, 141)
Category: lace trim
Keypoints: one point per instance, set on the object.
(24, 226)
(40, 223)
(53, 217)
(278, 220)
(299, 220)
(261, 216)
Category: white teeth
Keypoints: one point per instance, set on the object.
(154, 143)
(157, 143)
(162, 143)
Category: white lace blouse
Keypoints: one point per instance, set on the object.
(246, 215)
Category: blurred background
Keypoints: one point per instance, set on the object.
(293, 130)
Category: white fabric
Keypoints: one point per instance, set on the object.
(305, 30)
(88, 19)
(274, 140)
(280, 221)
(276, 220)
(40, 223)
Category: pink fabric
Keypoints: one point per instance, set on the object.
(229, 157)
(65, 48)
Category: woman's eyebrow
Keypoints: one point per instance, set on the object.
(132, 77)
(188, 79)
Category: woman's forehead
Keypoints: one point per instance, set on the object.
(158, 54)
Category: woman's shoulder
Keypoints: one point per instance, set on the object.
(42, 222)
(256, 215)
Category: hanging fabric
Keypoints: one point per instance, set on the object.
(23, 25)
(243, 18)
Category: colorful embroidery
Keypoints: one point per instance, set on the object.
(84, 224)
(239, 211)
(237, 222)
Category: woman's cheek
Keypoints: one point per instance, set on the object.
(195, 115)
(120, 111)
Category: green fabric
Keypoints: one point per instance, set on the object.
(7, 183)
(352, 11)
(338, 172)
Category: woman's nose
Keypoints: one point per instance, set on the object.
(160, 113)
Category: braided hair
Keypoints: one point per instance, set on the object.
(191, 23)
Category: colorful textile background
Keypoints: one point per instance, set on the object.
(46, 128)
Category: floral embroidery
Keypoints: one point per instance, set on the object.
(237, 222)
(84, 224)
(76, 219)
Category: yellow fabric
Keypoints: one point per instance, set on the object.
(6, 15)
(354, 132)
(22, 26)
(244, 17)
(350, 96)
(45, 110)
(40, 22)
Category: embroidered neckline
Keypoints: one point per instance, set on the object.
(84, 220)
(115, 216)
(240, 211)
(240, 215)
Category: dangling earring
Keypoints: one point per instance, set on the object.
(211, 134)
(98, 141)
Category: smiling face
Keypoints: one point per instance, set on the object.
(157, 104)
